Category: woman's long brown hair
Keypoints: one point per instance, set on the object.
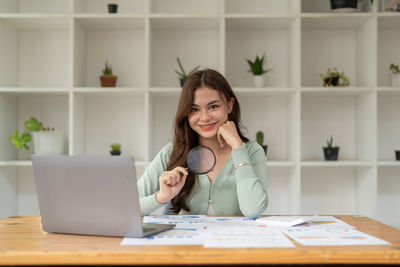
(185, 138)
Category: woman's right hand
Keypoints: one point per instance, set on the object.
(171, 183)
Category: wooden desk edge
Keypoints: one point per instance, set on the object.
(70, 249)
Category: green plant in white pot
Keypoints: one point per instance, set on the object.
(395, 78)
(257, 69)
(46, 141)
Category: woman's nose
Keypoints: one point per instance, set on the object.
(204, 115)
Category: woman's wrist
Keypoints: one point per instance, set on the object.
(237, 145)
(161, 199)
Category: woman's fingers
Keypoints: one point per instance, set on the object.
(173, 177)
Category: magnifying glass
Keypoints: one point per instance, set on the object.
(200, 160)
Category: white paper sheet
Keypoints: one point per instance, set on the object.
(332, 237)
(243, 237)
(175, 236)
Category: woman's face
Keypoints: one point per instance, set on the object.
(208, 112)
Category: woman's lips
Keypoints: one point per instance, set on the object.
(207, 127)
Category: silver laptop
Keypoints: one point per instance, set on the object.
(90, 195)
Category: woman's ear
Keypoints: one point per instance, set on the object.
(230, 104)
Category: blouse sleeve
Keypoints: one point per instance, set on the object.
(251, 179)
(148, 184)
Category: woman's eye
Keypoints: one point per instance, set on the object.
(213, 106)
(194, 110)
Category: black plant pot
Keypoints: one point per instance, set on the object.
(334, 81)
(397, 154)
(265, 147)
(331, 153)
(182, 81)
(112, 8)
(343, 5)
(115, 153)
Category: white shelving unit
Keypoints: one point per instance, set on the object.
(52, 53)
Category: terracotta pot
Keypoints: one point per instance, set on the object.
(108, 80)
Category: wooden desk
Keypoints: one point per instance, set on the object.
(22, 242)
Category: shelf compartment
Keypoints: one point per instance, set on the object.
(100, 6)
(192, 7)
(35, 6)
(102, 119)
(350, 119)
(16, 108)
(339, 190)
(276, 116)
(176, 37)
(163, 106)
(341, 42)
(388, 47)
(389, 195)
(25, 62)
(261, 6)
(283, 191)
(323, 6)
(118, 40)
(388, 131)
(274, 37)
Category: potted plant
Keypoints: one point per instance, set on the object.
(112, 8)
(46, 141)
(108, 79)
(395, 78)
(331, 152)
(334, 78)
(344, 5)
(257, 69)
(182, 74)
(260, 141)
(115, 149)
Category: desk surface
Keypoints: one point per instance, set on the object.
(22, 242)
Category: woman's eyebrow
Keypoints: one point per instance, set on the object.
(212, 102)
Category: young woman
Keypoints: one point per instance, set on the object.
(208, 114)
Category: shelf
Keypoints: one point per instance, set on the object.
(16, 163)
(37, 22)
(111, 91)
(388, 163)
(337, 91)
(34, 90)
(28, 163)
(340, 163)
(280, 163)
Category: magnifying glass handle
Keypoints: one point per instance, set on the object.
(187, 169)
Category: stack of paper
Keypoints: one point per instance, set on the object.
(240, 232)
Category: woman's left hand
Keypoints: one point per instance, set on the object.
(227, 134)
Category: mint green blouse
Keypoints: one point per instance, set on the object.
(241, 191)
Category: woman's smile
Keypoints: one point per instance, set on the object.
(207, 127)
